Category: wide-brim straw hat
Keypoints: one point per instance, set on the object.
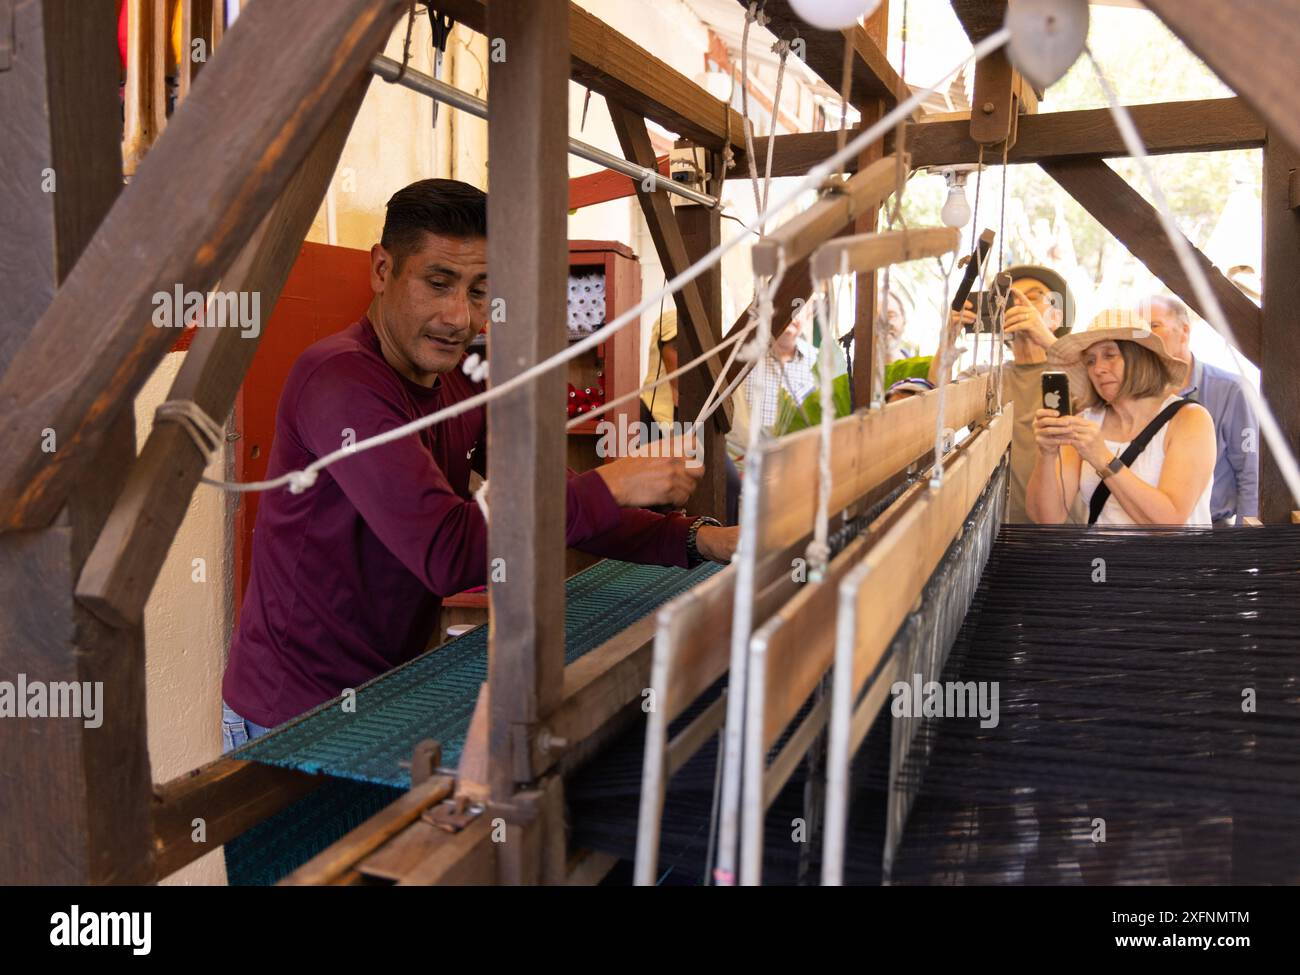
(1116, 325)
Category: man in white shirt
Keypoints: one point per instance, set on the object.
(788, 365)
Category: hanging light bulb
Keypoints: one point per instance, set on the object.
(956, 209)
(833, 14)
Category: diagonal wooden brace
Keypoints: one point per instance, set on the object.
(696, 329)
(123, 566)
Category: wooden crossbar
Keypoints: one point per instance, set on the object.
(230, 796)
(867, 252)
(866, 448)
(123, 567)
(612, 65)
(226, 155)
(799, 236)
(899, 567)
(1201, 125)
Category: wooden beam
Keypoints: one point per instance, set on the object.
(693, 326)
(866, 252)
(874, 78)
(1122, 210)
(1279, 336)
(995, 106)
(343, 856)
(1251, 48)
(532, 852)
(980, 18)
(527, 266)
(1206, 125)
(701, 230)
(464, 859)
(229, 796)
(145, 93)
(75, 794)
(870, 302)
(208, 20)
(605, 185)
(799, 236)
(794, 648)
(57, 176)
(123, 567)
(623, 72)
(205, 186)
(597, 687)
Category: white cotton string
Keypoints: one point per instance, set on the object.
(1273, 435)
(941, 444)
(997, 356)
(751, 15)
(819, 550)
(815, 176)
(766, 294)
(731, 340)
(190, 417)
(880, 345)
(706, 408)
(716, 405)
(782, 48)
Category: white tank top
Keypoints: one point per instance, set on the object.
(1148, 465)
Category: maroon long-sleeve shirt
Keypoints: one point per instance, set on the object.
(347, 577)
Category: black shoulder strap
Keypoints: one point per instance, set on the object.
(1139, 444)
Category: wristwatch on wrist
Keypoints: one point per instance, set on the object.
(1114, 467)
(693, 556)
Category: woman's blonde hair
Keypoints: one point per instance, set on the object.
(1145, 374)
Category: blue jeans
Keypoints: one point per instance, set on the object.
(236, 731)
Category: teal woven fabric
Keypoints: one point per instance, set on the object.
(433, 696)
(276, 847)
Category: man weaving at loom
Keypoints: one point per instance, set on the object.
(347, 576)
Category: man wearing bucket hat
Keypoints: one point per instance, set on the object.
(1137, 453)
(1040, 309)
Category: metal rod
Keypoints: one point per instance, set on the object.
(391, 71)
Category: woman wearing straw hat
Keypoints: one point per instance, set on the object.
(1136, 452)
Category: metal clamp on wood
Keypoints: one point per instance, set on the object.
(452, 815)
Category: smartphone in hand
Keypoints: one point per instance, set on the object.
(1056, 393)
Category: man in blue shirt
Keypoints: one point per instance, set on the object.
(1236, 469)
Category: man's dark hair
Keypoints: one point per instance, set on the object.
(437, 206)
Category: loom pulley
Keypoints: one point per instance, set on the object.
(1047, 37)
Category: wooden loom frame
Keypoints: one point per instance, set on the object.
(223, 194)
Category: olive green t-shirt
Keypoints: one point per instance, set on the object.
(1023, 385)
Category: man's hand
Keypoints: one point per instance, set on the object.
(957, 322)
(949, 350)
(644, 482)
(717, 544)
(1023, 320)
